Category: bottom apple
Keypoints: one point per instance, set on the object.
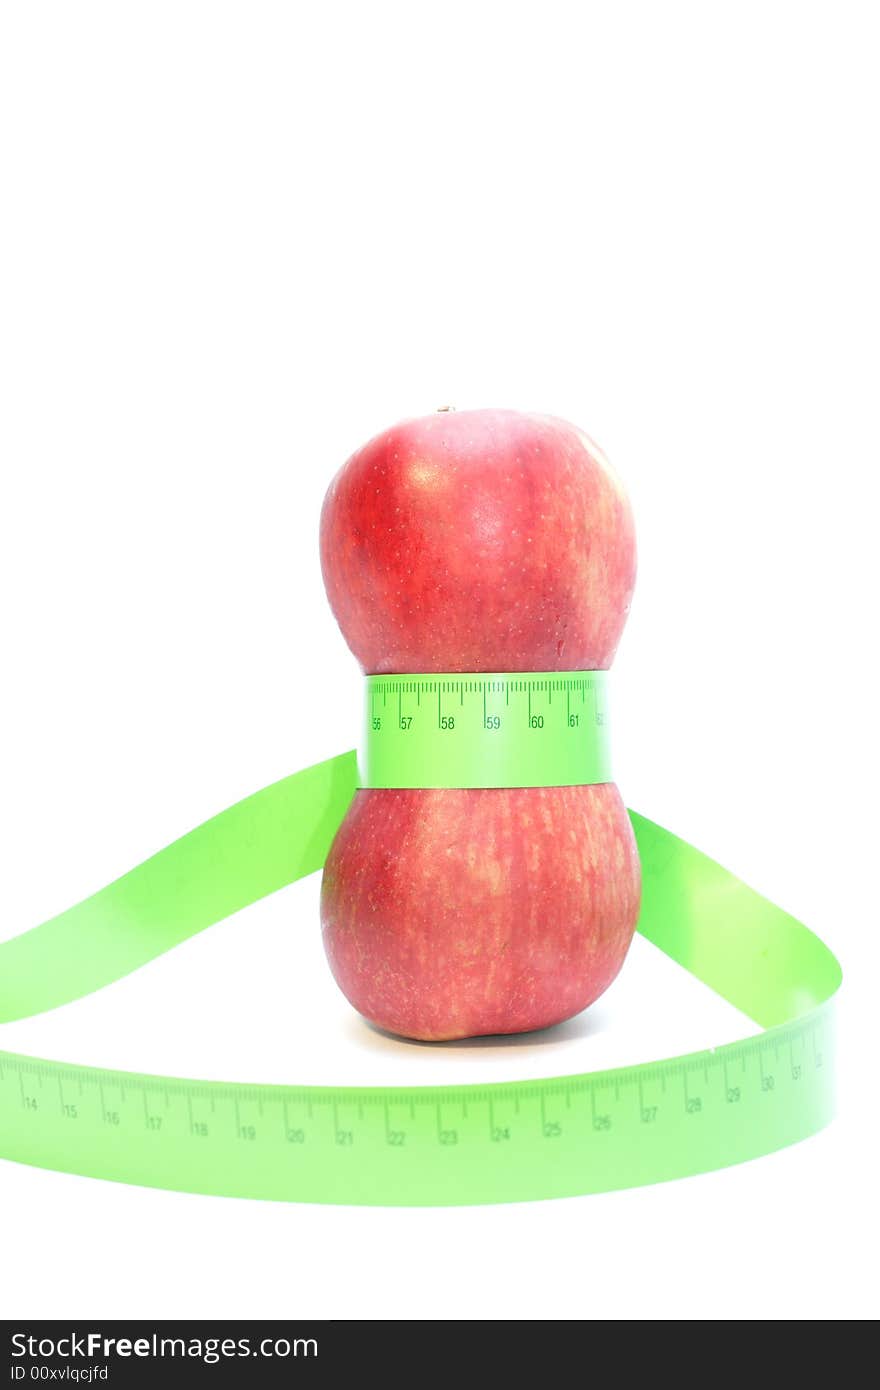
(455, 913)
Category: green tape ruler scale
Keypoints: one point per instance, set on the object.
(428, 1145)
(544, 729)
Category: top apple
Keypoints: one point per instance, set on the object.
(482, 540)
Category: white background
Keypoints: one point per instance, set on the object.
(236, 240)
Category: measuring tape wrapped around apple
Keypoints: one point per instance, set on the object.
(481, 876)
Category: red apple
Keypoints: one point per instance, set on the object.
(484, 540)
(479, 541)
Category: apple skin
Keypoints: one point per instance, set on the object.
(449, 914)
(479, 541)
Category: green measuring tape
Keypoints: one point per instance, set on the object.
(544, 729)
(429, 1145)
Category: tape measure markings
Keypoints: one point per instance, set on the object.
(436, 737)
(271, 1141)
(504, 1141)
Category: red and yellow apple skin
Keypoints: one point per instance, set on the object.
(479, 541)
(484, 540)
(448, 914)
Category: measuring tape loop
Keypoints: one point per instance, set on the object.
(427, 1145)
